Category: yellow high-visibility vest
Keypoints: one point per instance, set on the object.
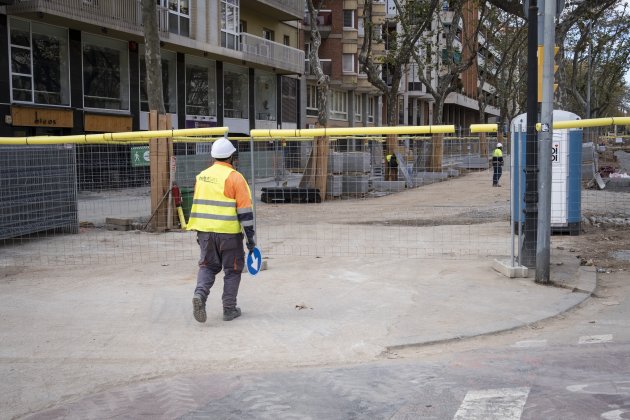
(497, 153)
(212, 211)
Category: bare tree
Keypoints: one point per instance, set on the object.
(153, 58)
(323, 81)
(444, 66)
(414, 17)
(595, 73)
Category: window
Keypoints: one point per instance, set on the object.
(339, 105)
(105, 73)
(178, 16)
(370, 109)
(235, 91)
(348, 63)
(286, 40)
(358, 113)
(201, 95)
(265, 94)
(230, 12)
(39, 63)
(169, 81)
(268, 34)
(348, 18)
(311, 101)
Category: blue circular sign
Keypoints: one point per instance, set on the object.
(254, 261)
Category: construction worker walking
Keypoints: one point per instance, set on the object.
(221, 210)
(497, 165)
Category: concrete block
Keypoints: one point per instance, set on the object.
(473, 162)
(334, 186)
(508, 270)
(355, 184)
(423, 178)
(335, 162)
(388, 186)
(356, 162)
(618, 184)
(452, 173)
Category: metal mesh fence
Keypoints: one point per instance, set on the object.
(78, 204)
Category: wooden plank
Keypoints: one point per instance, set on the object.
(483, 145)
(107, 123)
(117, 221)
(41, 117)
(436, 153)
(321, 166)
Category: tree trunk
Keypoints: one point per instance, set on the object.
(153, 58)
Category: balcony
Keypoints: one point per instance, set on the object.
(282, 9)
(119, 15)
(326, 67)
(262, 51)
(324, 23)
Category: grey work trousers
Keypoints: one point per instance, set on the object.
(220, 250)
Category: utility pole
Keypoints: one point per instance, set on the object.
(543, 245)
(528, 257)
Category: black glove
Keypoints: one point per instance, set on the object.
(250, 245)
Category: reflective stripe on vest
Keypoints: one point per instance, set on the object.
(212, 211)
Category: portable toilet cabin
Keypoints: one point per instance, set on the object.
(566, 174)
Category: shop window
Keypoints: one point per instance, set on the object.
(235, 91)
(169, 82)
(200, 87)
(265, 94)
(39, 63)
(105, 73)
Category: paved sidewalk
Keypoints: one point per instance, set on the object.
(75, 331)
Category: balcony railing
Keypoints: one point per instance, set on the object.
(263, 51)
(326, 67)
(294, 8)
(122, 15)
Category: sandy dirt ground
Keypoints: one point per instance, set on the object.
(461, 218)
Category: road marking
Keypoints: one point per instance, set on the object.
(489, 404)
(594, 339)
(615, 414)
(530, 343)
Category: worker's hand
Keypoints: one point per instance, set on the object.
(250, 245)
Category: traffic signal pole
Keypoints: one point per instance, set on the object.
(543, 252)
(528, 257)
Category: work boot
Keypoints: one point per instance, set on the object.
(199, 308)
(231, 313)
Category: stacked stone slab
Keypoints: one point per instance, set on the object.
(356, 173)
(335, 178)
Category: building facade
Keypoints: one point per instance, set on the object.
(353, 101)
(77, 66)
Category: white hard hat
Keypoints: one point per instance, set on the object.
(499, 145)
(222, 148)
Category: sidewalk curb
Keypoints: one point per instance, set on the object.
(586, 284)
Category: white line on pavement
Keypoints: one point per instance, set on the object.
(493, 404)
(592, 339)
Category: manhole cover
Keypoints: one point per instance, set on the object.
(624, 254)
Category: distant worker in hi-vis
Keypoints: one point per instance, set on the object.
(497, 165)
(221, 210)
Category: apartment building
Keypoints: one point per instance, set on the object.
(353, 101)
(461, 107)
(77, 66)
